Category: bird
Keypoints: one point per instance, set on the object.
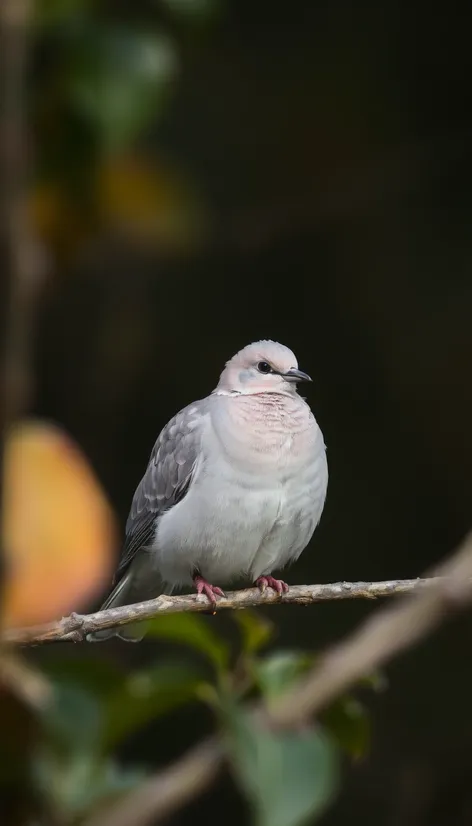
(234, 488)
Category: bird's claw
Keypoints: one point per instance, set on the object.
(277, 585)
(210, 591)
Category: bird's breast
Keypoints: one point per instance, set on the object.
(267, 434)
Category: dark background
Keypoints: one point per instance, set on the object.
(327, 147)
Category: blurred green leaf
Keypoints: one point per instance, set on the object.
(256, 630)
(95, 705)
(109, 780)
(145, 695)
(277, 672)
(348, 722)
(72, 720)
(191, 630)
(76, 784)
(288, 777)
(118, 79)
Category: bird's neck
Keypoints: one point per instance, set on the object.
(265, 412)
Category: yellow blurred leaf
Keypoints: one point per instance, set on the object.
(149, 201)
(142, 199)
(58, 529)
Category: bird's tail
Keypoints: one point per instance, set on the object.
(124, 593)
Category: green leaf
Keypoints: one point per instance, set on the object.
(77, 784)
(347, 721)
(118, 79)
(256, 630)
(287, 777)
(110, 780)
(95, 708)
(144, 696)
(191, 630)
(72, 719)
(90, 712)
(277, 672)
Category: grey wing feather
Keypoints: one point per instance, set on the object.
(166, 480)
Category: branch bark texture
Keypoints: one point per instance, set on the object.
(76, 627)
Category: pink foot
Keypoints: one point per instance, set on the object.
(210, 591)
(278, 585)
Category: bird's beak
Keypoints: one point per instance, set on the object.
(294, 375)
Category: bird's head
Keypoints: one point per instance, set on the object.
(261, 367)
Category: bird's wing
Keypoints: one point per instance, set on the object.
(167, 478)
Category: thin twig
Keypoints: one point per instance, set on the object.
(76, 627)
(23, 680)
(379, 639)
(171, 789)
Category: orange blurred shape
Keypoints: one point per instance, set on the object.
(58, 529)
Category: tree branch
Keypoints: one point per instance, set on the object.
(76, 627)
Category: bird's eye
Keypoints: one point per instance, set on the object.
(264, 367)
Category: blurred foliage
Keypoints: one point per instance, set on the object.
(287, 777)
(256, 630)
(93, 706)
(191, 630)
(116, 78)
(346, 719)
(97, 80)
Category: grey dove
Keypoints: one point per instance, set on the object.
(234, 488)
